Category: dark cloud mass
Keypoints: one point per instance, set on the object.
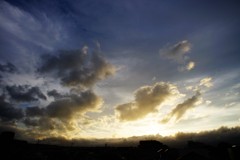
(31, 122)
(34, 111)
(60, 114)
(43, 124)
(25, 93)
(54, 93)
(147, 99)
(67, 107)
(63, 62)
(182, 108)
(74, 68)
(8, 67)
(8, 112)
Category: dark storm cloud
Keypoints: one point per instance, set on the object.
(73, 68)
(54, 93)
(8, 67)
(61, 112)
(147, 99)
(60, 115)
(67, 107)
(25, 93)
(30, 122)
(63, 62)
(40, 124)
(34, 111)
(182, 108)
(98, 69)
(8, 112)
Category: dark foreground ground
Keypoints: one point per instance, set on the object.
(146, 150)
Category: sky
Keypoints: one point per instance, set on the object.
(112, 69)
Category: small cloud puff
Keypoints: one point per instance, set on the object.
(190, 65)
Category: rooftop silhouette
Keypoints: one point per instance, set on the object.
(146, 150)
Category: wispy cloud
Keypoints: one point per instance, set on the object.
(38, 30)
(206, 82)
(178, 112)
(177, 53)
(202, 84)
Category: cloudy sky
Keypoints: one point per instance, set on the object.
(111, 69)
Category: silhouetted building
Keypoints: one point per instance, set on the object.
(234, 152)
(192, 144)
(192, 156)
(7, 136)
(150, 145)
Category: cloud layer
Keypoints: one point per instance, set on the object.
(9, 113)
(52, 111)
(146, 100)
(206, 82)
